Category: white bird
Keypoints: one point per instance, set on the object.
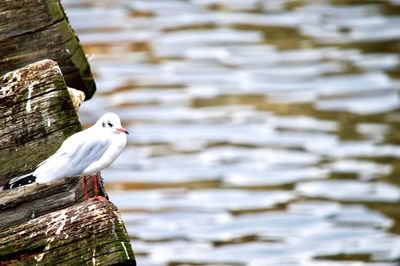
(84, 153)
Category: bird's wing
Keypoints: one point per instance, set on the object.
(75, 154)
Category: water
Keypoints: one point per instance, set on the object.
(264, 132)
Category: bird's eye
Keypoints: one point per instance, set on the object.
(109, 124)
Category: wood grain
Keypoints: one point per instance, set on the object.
(36, 115)
(35, 30)
(89, 233)
(21, 204)
(48, 224)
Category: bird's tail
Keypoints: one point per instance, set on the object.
(20, 181)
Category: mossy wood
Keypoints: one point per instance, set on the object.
(36, 115)
(49, 224)
(19, 205)
(90, 233)
(35, 30)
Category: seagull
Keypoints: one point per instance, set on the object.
(84, 153)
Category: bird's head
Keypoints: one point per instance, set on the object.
(111, 123)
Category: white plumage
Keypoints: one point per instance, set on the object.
(84, 153)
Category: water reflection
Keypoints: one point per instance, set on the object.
(265, 132)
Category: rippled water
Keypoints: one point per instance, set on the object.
(264, 132)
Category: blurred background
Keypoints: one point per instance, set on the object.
(262, 132)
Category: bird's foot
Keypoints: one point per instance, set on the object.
(101, 198)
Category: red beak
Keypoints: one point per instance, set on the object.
(123, 130)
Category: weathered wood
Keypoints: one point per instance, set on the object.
(24, 203)
(36, 115)
(48, 224)
(35, 30)
(77, 97)
(86, 234)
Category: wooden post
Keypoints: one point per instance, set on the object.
(85, 234)
(50, 223)
(35, 30)
(36, 116)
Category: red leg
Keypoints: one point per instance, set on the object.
(96, 190)
(95, 187)
(85, 188)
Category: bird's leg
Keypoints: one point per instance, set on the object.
(85, 188)
(96, 190)
(95, 187)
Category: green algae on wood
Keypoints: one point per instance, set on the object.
(35, 30)
(90, 233)
(48, 224)
(36, 115)
(21, 204)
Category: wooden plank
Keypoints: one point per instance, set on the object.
(35, 30)
(90, 233)
(21, 204)
(44, 13)
(36, 116)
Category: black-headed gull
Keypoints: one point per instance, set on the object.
(84, 153)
